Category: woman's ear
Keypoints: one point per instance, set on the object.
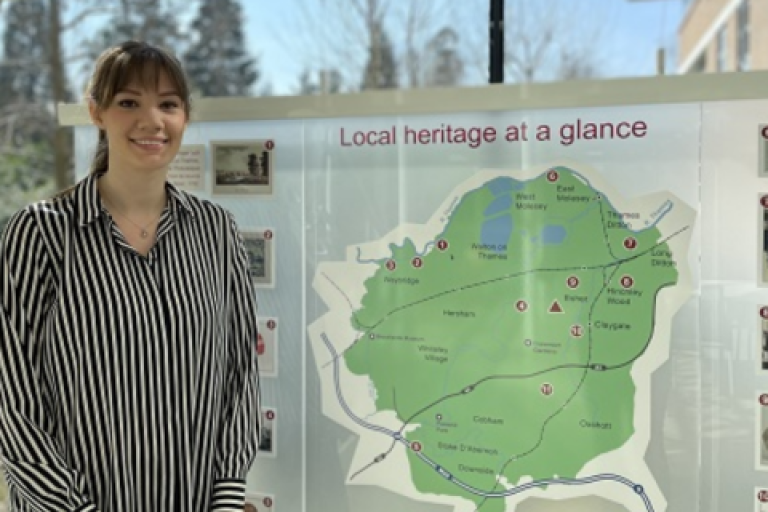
(95, 113)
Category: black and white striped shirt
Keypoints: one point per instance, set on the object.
(127, 383)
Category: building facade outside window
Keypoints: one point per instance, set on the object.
(722, 49)
(700, 64)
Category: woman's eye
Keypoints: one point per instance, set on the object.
(127, 103)
(169, 105)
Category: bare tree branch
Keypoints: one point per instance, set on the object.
(82, 15)
(421, 21)
(32, 115)
(77, 56)
(9, 150)
(411, 66)
(346, 37)
(23, 64)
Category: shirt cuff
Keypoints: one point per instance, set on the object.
(228, 495)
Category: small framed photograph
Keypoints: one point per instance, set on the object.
(762, 141)
(267, 441)
(761, 499)
(762, 348)
(259, 502)
(267, 347)
(762, 237)
(761, 420)
(243, 167)
(260, 244)
(187, 171)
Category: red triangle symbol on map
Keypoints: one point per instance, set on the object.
(555, 308)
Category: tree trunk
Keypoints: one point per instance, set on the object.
(62, 139)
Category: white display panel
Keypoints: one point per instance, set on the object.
(679, 431)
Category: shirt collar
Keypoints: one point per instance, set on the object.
(178, 198)
(88, 203)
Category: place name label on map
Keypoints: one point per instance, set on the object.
(459, 314)
(566, 194)
(443, 426)
(575, 298)
(434, 354)
(546, 348)
(612, 326)
(595, 424)
(397, 337)
(662, 258)
(487, 420)
(528, 202)
(491, 251)
(412, 281)
(622, 296)
(620, 220)
(461, 447)
(473, 469)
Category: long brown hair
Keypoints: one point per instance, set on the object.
(117, 67)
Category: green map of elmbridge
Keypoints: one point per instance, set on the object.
(504, 349)
(505, 346)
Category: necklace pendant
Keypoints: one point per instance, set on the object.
(144, 233)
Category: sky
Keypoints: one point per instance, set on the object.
(622, 35)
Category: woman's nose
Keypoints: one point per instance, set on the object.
(151, 119)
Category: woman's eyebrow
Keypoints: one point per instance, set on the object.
(139, 93)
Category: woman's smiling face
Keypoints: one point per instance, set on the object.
(144, 126)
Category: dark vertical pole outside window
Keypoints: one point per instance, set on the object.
(496, 42)
(742, 39)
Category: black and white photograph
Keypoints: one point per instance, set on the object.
(267, 347)
(762, 348)
(762, 246)
(243, 167)
(258, 502)
(260, 244)
(762, 140)
(267, 443)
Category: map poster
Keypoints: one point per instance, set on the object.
(498, 347)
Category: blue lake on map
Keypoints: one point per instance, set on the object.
(496, 231)
(501, 185)
(553, 235)
(499, 205)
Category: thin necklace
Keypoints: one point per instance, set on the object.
(144, 233)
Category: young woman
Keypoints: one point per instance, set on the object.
(128, 372)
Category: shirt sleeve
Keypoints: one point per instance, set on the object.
(239, 436)
(36, 471)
